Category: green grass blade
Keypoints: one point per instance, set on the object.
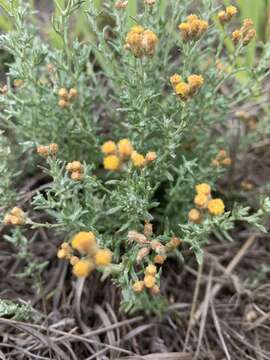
(132, 12)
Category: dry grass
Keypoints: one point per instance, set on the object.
(215, 313)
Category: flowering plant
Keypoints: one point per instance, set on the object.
(133, 135)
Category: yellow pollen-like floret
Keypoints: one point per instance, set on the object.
(138, 160)
(150, 157)
(125, 148)
(175, 79)
(195, 81)
(194, 216)
(159, 259)
(201, 201)
(43, 150)
(84, 242)
(72, 93)
(149, 281)
(192, 17)
(151, 270)
(138, 287)
(111, 162)
(83, 268)
(182, 89)
(216, 207)
(203, 189)
(109, 147)
(137, 29)
(236, 36)
(103, 257)
(155, 290)
(149, 42)
(222, 16)
(231, 10)
(63, 93)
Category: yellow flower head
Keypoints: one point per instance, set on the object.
(76, 176)
(111, 162)
(227, 161)
(137, 29)
(175, 242)
(222, 154)
(249, 36)
(247, 24)
(138, 160)
(84, 242)
(43, 150)
(216, 207)
(182, 90)
(63, 93)
(194, 28)
(236, 36)
(73, 260)
(231, 11)
(16, 211)
(194, 216)
(53, 148)
(201, 201)
(155, 290)
(109, 147)
(159, 259)
(103, 257)
(65, 251)
(151, 270)
(74, 166)
(83, 268)
(203, 189)
(125, 148)
(138, 287)
(121, 4)
(15, 217)
(223, 16)
(149, 281)
(73, 93)
(195, 82)
(175, 79)
(149, 42)
(191, 18)
(185, 29)
(150, 157)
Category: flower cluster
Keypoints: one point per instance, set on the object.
(92, 256)
(46, 150)
(148, 282)
(141, 42)
(193, 28)
(222, 159)
(204, 202)
(15, 217)
(75, 168)
(226, 15)
(147, 244)
(117, 154)
(65, 96)
(245, 34)
(186, 90)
